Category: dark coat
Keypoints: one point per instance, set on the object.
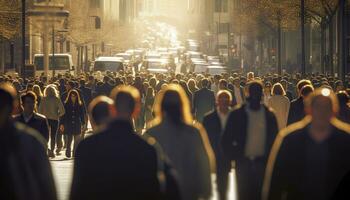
(86, 94)
(296, 111)
(286, 171)
(203, 102)
(116, 164)
(37, 122)
(73, 119)
(25, 171)
(235, 134)
(212, 125)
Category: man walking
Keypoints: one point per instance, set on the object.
(247, 139)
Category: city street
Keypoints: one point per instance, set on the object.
(63, 170)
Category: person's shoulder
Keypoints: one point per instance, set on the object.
(39, 116)
(17, 117)
(343, 128)
(295, 130)
(210, 114)
(29, 135)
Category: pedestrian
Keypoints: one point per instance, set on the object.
(25, 172)
(52, 108)
(149, 102)
(309, 158)
(296, 110)
(116, 163)
(31, 118)
(73, 120)
(203, 100)
(101, 111)
(86, 92)
(215, 123)
(344, 110)
(186, 145)
(267, 92)
(280, 104)
(38, 93)
(247, 140)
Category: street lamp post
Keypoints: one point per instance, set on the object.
(23, 37)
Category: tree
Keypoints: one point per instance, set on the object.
(10, 18)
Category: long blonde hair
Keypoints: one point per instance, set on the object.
(50, 91)
(178, 99)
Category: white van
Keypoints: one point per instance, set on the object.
(62, 63)
(113, 64)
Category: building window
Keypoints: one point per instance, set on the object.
(224, 27)
(95, 3)
(221, 5)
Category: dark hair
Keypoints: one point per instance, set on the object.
(302, 83)
(306, 90)
(343, 98)
(223, 82)
(172, 106)
(30, 95)
(205, 83)
(82, 82)
(255, 90)
(124, 102)
(6, 98)
(100, 112)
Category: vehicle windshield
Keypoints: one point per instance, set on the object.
(108, 65)
(60, 63)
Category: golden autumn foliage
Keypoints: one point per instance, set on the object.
(10, 18)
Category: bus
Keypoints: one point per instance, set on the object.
(63, 64)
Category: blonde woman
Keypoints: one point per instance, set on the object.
(280, 104)
(185, 144)
(39, 94)
(52, 107)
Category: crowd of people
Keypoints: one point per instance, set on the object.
(163, 136)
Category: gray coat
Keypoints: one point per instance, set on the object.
(190, 154)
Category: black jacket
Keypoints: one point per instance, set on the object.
(116, 164)
(25, 171)
(203, 102)
(296, 111)
(86, 94)
(37, 122)
(73, 119)
(287, 171)
(212, 125)
(235, 134)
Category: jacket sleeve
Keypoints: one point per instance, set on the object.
(45, 130)
(229, 146)
(274, 186)
(205, 160)
(61, 109)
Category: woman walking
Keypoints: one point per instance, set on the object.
(52, 107)
(280, 104)
(73, 120)
(186, 145)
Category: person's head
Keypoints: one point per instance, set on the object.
(101, 110)
(306, 91)
(254, 94)
(339, 85)
(69, 85)
(278, 89)
(73, 97)
(236, 82)
(37, 91)
(172, 103)
(267, 88)
(8, 96)
(127, 102)
(29, 87)
(191, 84)
(82, 83)
(51, 91)
(28, 102)
(222, 84)
(301, 84)
(322, 105)
(205, 83)
(223, 100)
(250, 76)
